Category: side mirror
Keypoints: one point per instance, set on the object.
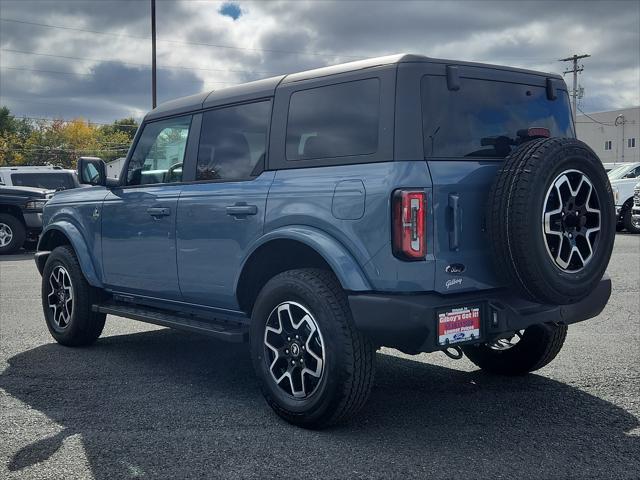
(92, 171)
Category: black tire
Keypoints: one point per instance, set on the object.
(17, 231)
(627, 220)
(522, 251)
(349, 357)
(538, 346)
(83, 325)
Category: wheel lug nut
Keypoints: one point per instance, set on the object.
(297, 337)
(293, 362)
(287, 352)
(288, 339)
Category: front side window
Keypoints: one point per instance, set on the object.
(487, 118)
(334, 121)
(159, 153)
(233, 142)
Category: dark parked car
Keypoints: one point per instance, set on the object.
(420, 204)
(20, 216)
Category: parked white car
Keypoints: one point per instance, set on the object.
(635, 217)
(623, 180)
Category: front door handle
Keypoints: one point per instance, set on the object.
(159, 211)
(241, 210)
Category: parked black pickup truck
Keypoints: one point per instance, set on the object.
(20, 216)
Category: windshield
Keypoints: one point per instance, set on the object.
(50, 181)
(621, 171)
(483, 118)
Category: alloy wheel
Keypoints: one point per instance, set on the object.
(60, 298)
(6, 234)
(571, 221)
(506, 343)
(294, 350)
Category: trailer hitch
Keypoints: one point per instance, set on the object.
(453, 352)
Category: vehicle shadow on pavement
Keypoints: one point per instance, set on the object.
(14, 257)
(167, 404)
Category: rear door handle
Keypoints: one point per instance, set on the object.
(241, 210)
(159, 211)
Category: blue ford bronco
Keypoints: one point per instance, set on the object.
(420, 204)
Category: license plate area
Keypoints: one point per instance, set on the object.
(458, 324)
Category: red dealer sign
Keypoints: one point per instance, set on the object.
(458, 325)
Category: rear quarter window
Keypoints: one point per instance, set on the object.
(482, 118)
(334, 121)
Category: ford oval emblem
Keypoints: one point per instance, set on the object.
(458, 336)
(455, 268)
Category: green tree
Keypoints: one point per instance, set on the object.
(13, 135)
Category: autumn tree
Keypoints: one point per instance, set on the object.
(61, 142)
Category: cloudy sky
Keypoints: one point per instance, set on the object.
(92, 58)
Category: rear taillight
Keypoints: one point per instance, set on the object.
(409, 224)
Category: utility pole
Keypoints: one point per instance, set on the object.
(153, 53)
(575, 70)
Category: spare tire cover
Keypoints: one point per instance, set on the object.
(551, 221)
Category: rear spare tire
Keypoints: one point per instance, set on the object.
(551, 221)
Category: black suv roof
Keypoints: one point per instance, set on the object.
(267, 86)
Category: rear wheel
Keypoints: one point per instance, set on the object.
(314, 368)
(67, 299)
(524, 352)
(12, 233)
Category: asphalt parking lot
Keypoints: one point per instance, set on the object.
(155, 403)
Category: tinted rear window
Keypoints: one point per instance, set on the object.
(50, 181)
(482, 118)
(334, 121)
(233, 141)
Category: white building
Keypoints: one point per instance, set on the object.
(613, 135)
(115, 167)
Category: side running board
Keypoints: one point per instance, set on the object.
(230, 332)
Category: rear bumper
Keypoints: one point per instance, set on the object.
(408, 322)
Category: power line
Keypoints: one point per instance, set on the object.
(179, 42)
(593, 119)
(49, 119)
(81, 73)
(164, 67)
(54, 150)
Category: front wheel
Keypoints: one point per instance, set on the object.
(524, 352)
(67, 299)
(314, 367)
(12, 233)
